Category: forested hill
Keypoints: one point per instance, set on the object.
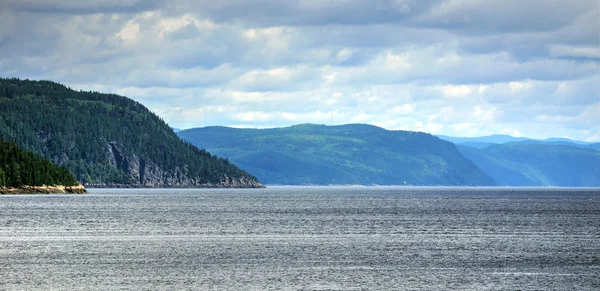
(348, 154)
(19, 167)
(106, 139)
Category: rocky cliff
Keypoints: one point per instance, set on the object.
(141, 172)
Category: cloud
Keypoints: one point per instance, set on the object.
(457, 67)
(574, 51)
(268, 13)
(76, 7)
(508, 16)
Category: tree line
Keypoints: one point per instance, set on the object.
(19, 167)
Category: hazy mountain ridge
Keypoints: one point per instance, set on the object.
(485, 141)
(537, 164)
(348, 154)
(106, 139)
(491, 139)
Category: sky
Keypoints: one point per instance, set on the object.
(456, 67)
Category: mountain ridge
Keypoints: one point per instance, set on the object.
(482, 141)
(537, 164)
(310, 154)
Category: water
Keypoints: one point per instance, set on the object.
(314, 238)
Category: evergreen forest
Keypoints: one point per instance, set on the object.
(104, 139)
(19, 167)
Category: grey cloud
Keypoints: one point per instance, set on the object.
(528, 45)
(429, 67)
(369, 36)
(516, 16)
(304, 12)
(80, 7)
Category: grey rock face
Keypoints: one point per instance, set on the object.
(145, 173)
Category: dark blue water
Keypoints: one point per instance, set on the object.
(313, 238)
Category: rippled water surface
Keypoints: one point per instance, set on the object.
(313, 238)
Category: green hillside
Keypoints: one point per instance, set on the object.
(19, 167)
(348, 154)
(537, 164)
(106, 139)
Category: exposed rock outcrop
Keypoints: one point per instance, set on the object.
(141, 172)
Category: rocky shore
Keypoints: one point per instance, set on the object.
(224, 183)
(57, 189)
(200, 186)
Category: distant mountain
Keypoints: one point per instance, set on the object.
(559, 140)
(579, 144)
(106, 139)
(537, 164)
(348, 154)
(175, 129)
(491, 139)
(476, 144)
(485, 141)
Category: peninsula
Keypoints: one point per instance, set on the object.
(24, 172)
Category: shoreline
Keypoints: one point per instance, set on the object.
(56, 189)
(204, 186)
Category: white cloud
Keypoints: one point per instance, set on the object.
(343, 55)
(402, 109)
(394, 62)
(518, 86)
(252, 116)
(129, 33)
(168, 25)
(275, 38)
(456, 91)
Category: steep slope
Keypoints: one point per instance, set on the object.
(106, 139)
(537, 164)
(348, 154)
